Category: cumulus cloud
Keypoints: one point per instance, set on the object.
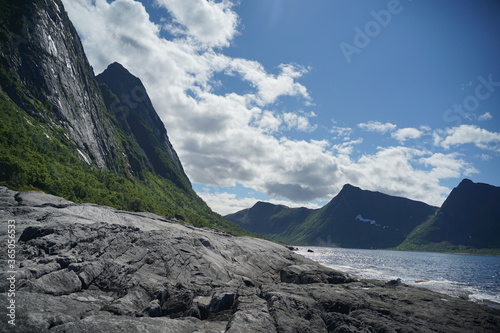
(404, 134)
(214, 24)
(269, 87)
(299, 122)
(469, 134)
(376, 126)
(272, 122)
(227, 203)
(269, 122)
(242, 137)
(346, 148)
(393, 170)
(447, 166)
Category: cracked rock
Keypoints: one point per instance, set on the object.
(87, 268)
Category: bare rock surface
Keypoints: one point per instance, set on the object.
(89, 268)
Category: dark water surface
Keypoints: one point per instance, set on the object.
(459, 275)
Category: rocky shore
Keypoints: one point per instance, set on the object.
(89, 268)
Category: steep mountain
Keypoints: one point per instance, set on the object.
(64, 133)
(355, 218)
(358, 218)
(469, 218)
(44, 71)
(127, 98)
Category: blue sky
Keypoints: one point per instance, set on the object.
(286, 101)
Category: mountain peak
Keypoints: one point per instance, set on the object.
(117, 69)
(116, 65)
(139, 118)
(469, 217)
(349, 187)
(117, 77)
(465, 182)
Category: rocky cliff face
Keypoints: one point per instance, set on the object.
(128, 100)
(43, 60)
(354, 218)
(89, 268)
(64, 133)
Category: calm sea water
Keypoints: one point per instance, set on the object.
(469, 276)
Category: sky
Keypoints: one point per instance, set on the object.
(286, 101)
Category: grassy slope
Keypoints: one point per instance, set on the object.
(416, 241)
(38, 156)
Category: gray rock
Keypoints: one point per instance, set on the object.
(62, 282)
(87, 268)
(305, 274)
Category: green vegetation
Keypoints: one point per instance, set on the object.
(38, 156)
(37, 152)
(445, 247)
(418, 241)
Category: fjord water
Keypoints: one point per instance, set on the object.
(468, 276)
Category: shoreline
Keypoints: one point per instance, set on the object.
(449, 287)
(84, 267)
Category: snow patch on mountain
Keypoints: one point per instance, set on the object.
(359, 217)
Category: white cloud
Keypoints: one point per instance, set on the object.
(240, 138)
(485, 116)
(346, 148)
(340, 132)
(465, 134)
(484, 157)
(269, 122)
(212, 23)
(376, 126)
(227, 203)
(391, 170)
(269, 87)
(404, 134)
(447, 166)
(299, 122)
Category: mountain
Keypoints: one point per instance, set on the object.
(355, 218)
(127, 98)
(44, 71)
(274, 221)
(469, 218)
(87, 139)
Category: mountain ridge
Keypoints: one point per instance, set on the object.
(468, 221)
(139, 119)
(64, 133)
(353, 218)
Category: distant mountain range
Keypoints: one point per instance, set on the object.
(356, 218)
